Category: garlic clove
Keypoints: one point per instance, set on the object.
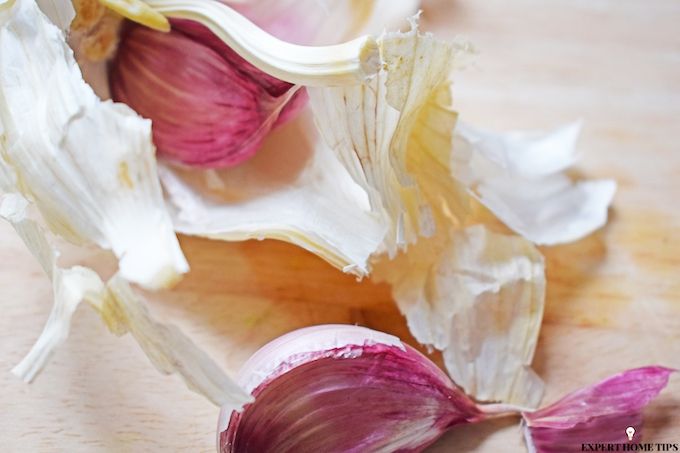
(520, 177)
(366, 392)
(598, 414)
(88, 165)
(210, 107)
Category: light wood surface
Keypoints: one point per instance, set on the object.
(613, 298)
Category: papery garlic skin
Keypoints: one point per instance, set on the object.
(121, 309)
(88, 165)
(294, 190)
(210, 107)
(478, 296)
(520, 177)
(358, 396)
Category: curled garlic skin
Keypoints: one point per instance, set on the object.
(334, 65)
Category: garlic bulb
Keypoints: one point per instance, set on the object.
(209, 106)
(343, 388)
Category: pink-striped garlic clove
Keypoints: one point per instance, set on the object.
(343, 388)
(210, 108)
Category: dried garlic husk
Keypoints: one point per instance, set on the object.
(121, 310)
(372, 126)
(478, 296)
(88, 165)
(520, 177)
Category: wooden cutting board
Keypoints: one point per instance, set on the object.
(613, 298)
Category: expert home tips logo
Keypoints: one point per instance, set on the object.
(630, 445)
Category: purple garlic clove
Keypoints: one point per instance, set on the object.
(609, 412)
(210, 108)
(343, 388)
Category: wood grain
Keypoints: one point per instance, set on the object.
(613, 298)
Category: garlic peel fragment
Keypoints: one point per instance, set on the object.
(120, 308)
(333, 65)
(60, 12)
(166, 346)
(369, 126)
(307, 199)
(138, 11)
(87, 165)
(519, 177)
(478, 296)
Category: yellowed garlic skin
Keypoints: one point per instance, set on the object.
(210, 108)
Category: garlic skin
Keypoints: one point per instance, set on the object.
(87, 165)
(363, 391)
(210, 108)
(521, 177)
(339, 64)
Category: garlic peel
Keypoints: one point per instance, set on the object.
(140, 12)
(307, 199)
(520, 177)
(60, 12)
(478, 296)
(88, 165)
(332, 65)
(120, 308)
(369, 127)
(166, 346)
